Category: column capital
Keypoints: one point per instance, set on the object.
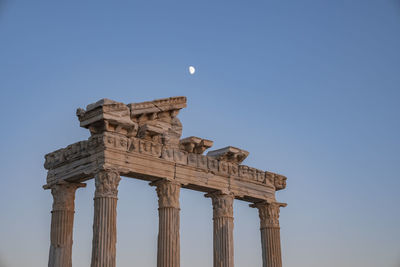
(269, 213)
(168, 193)
(107, 182)
(222, 204)
(63, 194)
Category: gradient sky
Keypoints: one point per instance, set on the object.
(311, 88)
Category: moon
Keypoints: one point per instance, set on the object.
(192, 70)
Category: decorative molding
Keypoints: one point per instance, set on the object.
(107, 182)
(109, 140)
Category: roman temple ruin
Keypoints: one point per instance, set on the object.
(143, 141)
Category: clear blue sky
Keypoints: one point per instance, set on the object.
(311, 88)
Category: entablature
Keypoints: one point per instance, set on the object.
(143, 140)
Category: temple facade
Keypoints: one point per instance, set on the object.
(143, 141)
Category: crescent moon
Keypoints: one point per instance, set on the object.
(192, 70)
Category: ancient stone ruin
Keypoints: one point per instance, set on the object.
(143, 141)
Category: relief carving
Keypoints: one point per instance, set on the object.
(279, 182)
(233, 169)
(202, 162)
(192, 159)
(223, 167)
(212, 164)
(72, 152)
(180, 157)
(167, 153)
(133, 145)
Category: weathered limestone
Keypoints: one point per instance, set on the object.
(168, 253)
(270, 232)
(105, 219)
(143, 141)
(229, 154)
(195, 144)
(62, 221)
(223, 229)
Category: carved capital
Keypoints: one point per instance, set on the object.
(107, 182)
(222, 204)
(168, 193)
(64, 195)
(269, 213)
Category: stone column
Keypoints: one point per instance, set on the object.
(223, 229)
(105, 219)
(62, 221)
(168, 249)
(270, 233)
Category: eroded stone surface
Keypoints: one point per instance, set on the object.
(229, 154)
(195, 144)
(124, 145)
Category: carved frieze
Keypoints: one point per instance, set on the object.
(277, 180)
(212, 164)
(110, 140)
(192, 159)
(150, 148)
(280, 182)
(223, 167)
(233, 169)
(180, 157)
(133, 144)
(107, 182)
(202, 162)
(72, 152)
(167, 153)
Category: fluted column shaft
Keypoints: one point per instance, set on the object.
(105, 219)
(168, 250)
(62, 221)
(270, 233)
(223, 229)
